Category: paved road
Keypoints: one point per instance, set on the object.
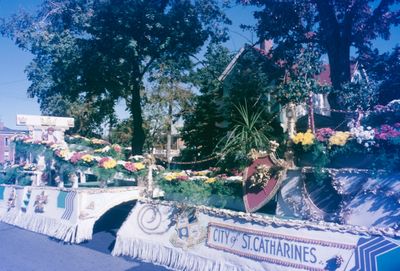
(22, 250)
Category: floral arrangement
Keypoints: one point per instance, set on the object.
(323, 134)
(133, 167)
(200, 187)
(328, 146)
(304, 139)
(104, 162)
(339, 138)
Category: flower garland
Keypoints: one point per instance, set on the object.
(106, 159)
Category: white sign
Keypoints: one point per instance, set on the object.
(46, 128)
(281, 249)
(56, 122)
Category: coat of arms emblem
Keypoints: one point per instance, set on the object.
(188, 230)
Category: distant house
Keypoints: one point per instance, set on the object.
(320, 101)
(177, 144)
(7, 152)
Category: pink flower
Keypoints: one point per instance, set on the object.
(386, 132)
(76, 157)
(117, 148)
(130, 166)
(182, 178)
(379, 107)
(324, 134)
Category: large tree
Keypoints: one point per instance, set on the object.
(201, 132)
(103, 50)
(385, 70)
(248, 85)
(335, 26)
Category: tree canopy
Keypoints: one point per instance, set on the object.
(334, 26)
(383, 69)
(102, 50)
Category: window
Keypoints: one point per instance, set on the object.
(6, 141)
(6, 155)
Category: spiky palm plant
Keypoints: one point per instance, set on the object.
(248, 132)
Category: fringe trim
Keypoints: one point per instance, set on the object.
(56, 228)
(84, 231)
(168, 257)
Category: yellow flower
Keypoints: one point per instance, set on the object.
(339, 138)
(306, 138)
(139, 166)
(169, 177)
(64, 153)
(210, 180)
(87, 158)
(99, 141)
(298, 138)
(200, 173)
(110, 163)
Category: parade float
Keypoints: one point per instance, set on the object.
(332, 204)
(61, 185)
(336, 206)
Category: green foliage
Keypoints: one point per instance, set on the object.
(388, 159)
(383, 155)
(166, 100)
(301, 79)
(248, 132)
(358, 95)
(11, 175)
(202, 130)
(315, 154)
(383, 70)
(29, 149)
(198, 192)
(64, 169)
(251, 80)
(25, 181)
(104, 174)
(122, 133)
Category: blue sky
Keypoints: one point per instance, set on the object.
(13, 82)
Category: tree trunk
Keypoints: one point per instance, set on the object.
(311, 122)
(339, 62)
(110, 127)
(336, 38)
(136, 112)
(169, 134)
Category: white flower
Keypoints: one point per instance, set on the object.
(234, 178)
(106, 149)
(362, 135)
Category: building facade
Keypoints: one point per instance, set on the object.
(7, 150)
